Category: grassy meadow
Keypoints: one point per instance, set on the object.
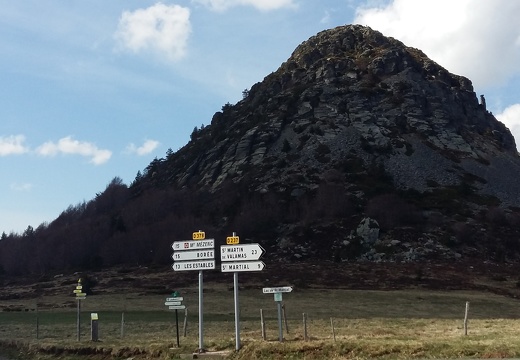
(341, 324)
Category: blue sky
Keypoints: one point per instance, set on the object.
(94, 90)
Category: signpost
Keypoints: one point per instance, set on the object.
(80, 295)
(239, 258)
(175, 303)
(197, 254)
(277, 292)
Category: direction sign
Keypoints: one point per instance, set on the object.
(176, 307)
(193, 255)
(81, 297)
(81, 294)
(280, 289)
(240, 252)
(194, 265)
(179, 298)
(242, 266)
(193, 245)
(168, 303)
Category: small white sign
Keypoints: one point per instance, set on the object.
(242, 266)
(179, 298)
(176, 307)
(280, 289)
(193, 244)
(168, 303)
(194, 265)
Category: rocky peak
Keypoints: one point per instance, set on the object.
(352, 94)
(354, 124)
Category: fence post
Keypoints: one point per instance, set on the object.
(285, 319)
(305, 337)
(466, 318)
(122, 324)
(333, 330)
(262, 323)
(185, 325)
(37, 322)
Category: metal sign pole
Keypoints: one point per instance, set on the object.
(201, 322)
(177, 326)
(280, 330)
(78, 319)
(237, 312)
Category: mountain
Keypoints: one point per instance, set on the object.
(356, 148)
(353, 125)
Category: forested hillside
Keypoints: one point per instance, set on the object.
(358, 148)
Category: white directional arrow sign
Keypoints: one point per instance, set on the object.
(179, 298)
(242, 266)
(193, 244)
(173, 303)
(280, 289)
(194, 265)
(243, 252)
(193, 255)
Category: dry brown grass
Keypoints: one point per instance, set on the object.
(381, 324)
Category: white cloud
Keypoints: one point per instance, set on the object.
(12, 145)
(473, 38)
(511, 118)
(69, 146)
(262, 5)
(161, 29)
(21, 187)
(147, 147)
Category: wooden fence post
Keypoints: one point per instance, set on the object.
(37, 323)
(466, 318)
(262, 323)
(333, 330)
(285, 319)
(185, 326)
(305, 337)
(122, 324)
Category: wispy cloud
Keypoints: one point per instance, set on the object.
(12, 145)
(160, 29)
(147, 147)
(262, 5)
(21, 187)
(69, 146)
(326, 17)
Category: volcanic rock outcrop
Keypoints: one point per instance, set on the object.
(371, 118)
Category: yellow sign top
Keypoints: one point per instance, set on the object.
(199, 235)
(232, 240)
